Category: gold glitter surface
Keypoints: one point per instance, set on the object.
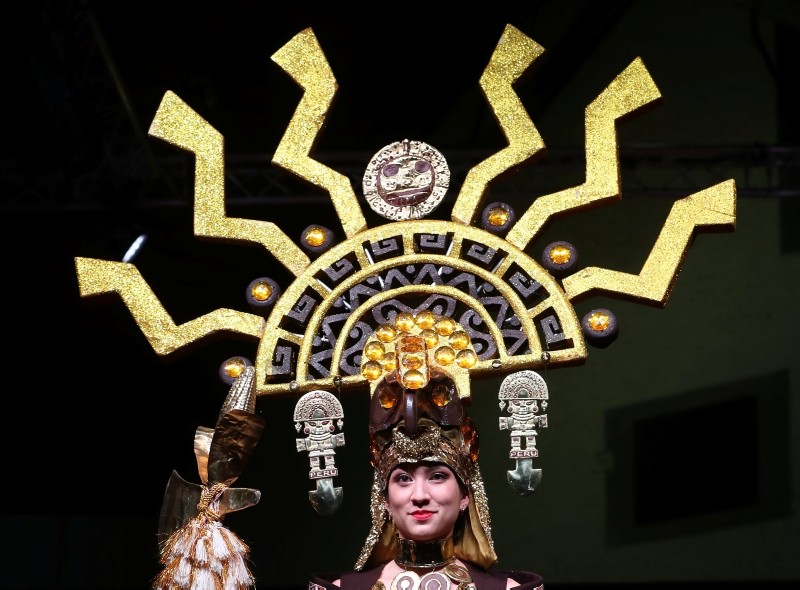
(514, 53)
(713, 207)
(632, 90)
(176, 123)
(97, 277)
(553, 303)
(303, 59)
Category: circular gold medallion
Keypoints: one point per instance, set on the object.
(457, 572)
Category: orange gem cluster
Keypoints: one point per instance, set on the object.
(416, 347)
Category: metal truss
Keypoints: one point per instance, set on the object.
(139, 181)
(108, 163)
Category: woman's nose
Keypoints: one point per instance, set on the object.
(420, 492)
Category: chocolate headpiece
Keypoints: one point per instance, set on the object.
(418, 368)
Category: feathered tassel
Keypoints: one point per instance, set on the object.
(203, 554)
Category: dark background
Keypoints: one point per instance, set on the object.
(96, 420)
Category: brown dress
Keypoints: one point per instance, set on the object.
(484, 579)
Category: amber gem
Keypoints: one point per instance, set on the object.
(385, 333)
(425, 320)
(234, 367)
(444, 355)
(413, 379)
(599, 321)
(441, 395)
(261, 291)
(446, 326)
(560, 254)
(374, 351)
(466, 359)
(459, 340)
(388, 397)
(404, 321)
(315, 237)
(371, 370)
(498, 216)
(389, 362)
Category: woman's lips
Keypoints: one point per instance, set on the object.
(422, 514)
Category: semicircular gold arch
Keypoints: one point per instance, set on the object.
(285, 350)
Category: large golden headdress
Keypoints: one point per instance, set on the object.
(416, 308)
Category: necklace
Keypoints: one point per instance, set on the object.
(424, 554)
(413, 555)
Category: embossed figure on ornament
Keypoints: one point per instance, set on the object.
(406, 180)
(318, 414)
(523, 393)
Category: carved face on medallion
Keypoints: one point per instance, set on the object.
(406, 180)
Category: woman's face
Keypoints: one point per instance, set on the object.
(424, 500)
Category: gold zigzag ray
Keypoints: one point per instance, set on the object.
(514, 53)
(629, 92)
(97, 277)
(176, 123)
(303, 59)
(712, 207)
